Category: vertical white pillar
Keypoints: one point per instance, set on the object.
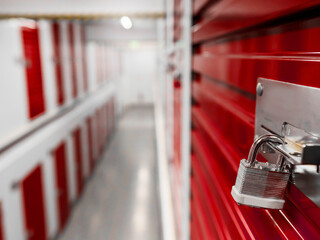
(186, 118)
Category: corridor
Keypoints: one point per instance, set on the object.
(121, 199)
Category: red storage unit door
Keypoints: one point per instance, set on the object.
(84, 59)
(60, 162)
(177, 21)
(235, 43)
(90, 143)
(99, 131)
(31, 49)
(33, 201)
(97, 134)
(113, 115)
(102, 127)
(78, 160)
(73, 60)
(1, 224)
(57, 62)
(107, 119)
(99, 63)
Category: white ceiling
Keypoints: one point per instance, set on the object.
(81, 6)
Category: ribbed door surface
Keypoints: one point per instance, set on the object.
(84, 59)
(32, 63)
(60, 162)
(73, 61)
(78, 159)
(33, 202)
(90, 143)
(1, 224)
(235, 43)
(57, 62)
(99, 63)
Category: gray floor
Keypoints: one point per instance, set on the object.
(121, 200)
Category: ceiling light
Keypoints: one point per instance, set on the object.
(126, 22)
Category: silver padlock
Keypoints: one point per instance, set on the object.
(261, 184)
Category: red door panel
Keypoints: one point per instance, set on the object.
(84, 59)
(31, 49)
(97, 134)
(73, 61)
(33, 201)
(108, 118)
(226, 65)
(102, 126)
(99, 63)
(60, 162)
(1, 224)
(57, 63)
(90, 143)
(99, 131)
(223, 17)
(78, 160)
(113, 115)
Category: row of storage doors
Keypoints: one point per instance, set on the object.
(97, 128)
(45, 68)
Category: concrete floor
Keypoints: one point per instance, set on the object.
(121, 199)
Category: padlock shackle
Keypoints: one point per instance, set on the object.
(259, 142)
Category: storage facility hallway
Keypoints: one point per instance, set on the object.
(120, 201)
(159, 120)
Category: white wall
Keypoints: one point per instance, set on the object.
(139, 71)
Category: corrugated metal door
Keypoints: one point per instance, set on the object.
(31, 49)
(90, 143)
(1, 224)
(235, 43)
(78, 160)
(62, 184)
(113, 115)
(99, 63)
(84, 59)
(57, 62)
(32, 191)
(73, 61)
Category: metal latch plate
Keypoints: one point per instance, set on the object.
(292, 111)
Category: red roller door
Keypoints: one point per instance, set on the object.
(99, 63)
(78, 160)
(1, 224)
(113, 115)
(57, 62)
(90, 143)
(235, 43)
(97, 134)
(73, 61)
(62, 184)
(107, 120)
(33, 201)
(31, 49)
(102, 125)
(177, 26)
(84, 59)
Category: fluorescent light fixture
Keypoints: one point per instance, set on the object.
(126, 22)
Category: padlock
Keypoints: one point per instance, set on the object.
(261, 184)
